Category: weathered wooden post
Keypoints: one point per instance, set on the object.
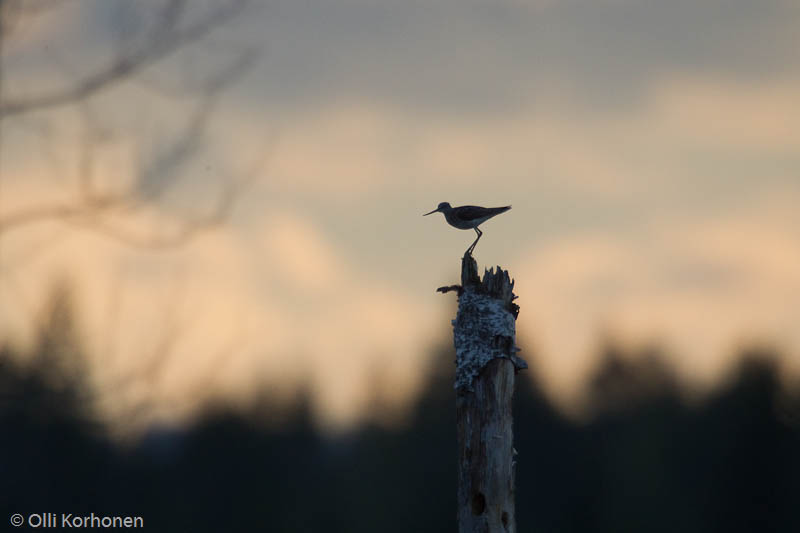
(486, 362)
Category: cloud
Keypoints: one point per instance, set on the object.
(468, 58)
(230, 314)
(700, 287)
(719, 113)
(348, 326)
(648, 149)
(300, 257)
(338, 151)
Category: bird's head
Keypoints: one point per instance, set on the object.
(444, 206)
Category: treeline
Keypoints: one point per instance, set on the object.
(644, 461)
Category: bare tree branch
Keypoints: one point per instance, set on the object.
(112, 210)
(166, 38)
(92, 209)
(183, 234)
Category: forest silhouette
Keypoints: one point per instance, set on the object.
(643, 460)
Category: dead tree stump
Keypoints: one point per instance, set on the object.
(486, 363)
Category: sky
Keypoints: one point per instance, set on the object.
(649, 149)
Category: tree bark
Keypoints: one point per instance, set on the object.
(484, 336)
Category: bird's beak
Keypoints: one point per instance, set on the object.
(432, 212)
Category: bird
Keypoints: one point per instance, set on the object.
(468, 217)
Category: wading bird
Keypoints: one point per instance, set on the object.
(468, 217)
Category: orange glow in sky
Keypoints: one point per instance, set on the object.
(654, 177)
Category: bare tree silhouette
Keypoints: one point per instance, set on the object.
(176, 24)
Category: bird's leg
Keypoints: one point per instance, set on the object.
(472, 247)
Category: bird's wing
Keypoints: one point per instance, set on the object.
(471, 212)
